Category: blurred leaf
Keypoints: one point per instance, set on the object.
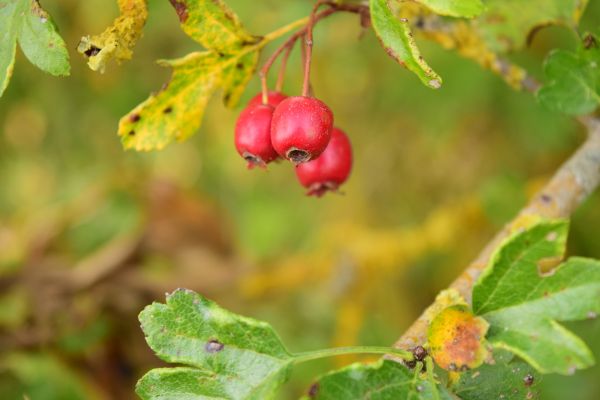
(175, 112)
(453, 8)
(233, 357)
(507, 379)
(116, 216)
(573, 81)
(14, 306)
(384, 380)
(509, 24)
(43, 377)
(118, 40)
(397, 40)
(523, 306)
(28, 23)
(456, 338)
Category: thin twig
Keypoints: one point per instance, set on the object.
(574, 181)
(333, 8)
(283, 67)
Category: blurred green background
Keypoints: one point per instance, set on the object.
(89, 234)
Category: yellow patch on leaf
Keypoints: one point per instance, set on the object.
(456, 339)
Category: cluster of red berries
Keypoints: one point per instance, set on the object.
(299, 129)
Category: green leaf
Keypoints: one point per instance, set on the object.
(25, 21)
(397, 40)
(572, 81)
(509, 24)
(508, 379)
(118, 40)
(384, 380)
(454, 8)
(227, 356)
(523, 305)
(175, 112)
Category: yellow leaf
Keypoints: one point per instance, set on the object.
(117, 41)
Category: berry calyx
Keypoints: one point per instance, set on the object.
(273, 99)
(331, 169)
(253, 135)
(301, 128)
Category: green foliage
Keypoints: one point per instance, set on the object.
(463, 8)
(384, 380)
(26, 376)
(26, 22)
(175, 112)
(231, 357)
(397, 40)
(507, 25)
(508, 378)
(523, 305)
(573, 80)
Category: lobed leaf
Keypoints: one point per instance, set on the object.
(118, 40)
(176, 111)
(522, 301)
(384, 380)
(572, 81)
(227, 356)
(26, 22)
(397, 40)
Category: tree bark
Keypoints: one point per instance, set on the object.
(574, 181)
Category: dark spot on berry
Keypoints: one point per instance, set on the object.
(213, 346)
(420, 353)
(528, 380)
(168, 110)
(92, 51)
(313, 390)
(134, 118)
(297, 156)
(546, 198)
(132, 133)
(180, 9)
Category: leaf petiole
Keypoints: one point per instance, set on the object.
(338, 351)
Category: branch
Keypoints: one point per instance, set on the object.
(575, 180)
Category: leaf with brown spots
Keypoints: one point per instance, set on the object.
(456, 339)
(523, 304)
(117, 41)
(26, 22)
(225, 356)
(176, 111)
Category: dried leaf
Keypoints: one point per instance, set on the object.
(118, 40)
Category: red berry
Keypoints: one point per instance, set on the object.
(274, 98)
(253, 135)
(301, 128)
(331, 169)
